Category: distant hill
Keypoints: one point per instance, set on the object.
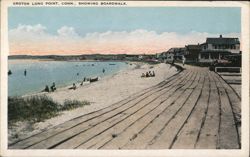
(84, 57)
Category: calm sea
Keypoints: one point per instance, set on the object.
(41, 73)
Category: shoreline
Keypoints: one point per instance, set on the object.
(100, 94)
(66, 84)
(77, 82)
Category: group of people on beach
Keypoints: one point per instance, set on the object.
(85, 79)
(148, 74)
(51, 89)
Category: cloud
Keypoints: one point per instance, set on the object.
(27, 39)
(36, 29)
(66, 31)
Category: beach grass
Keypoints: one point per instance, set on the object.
(38, 108)
(71, 104)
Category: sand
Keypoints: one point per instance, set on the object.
(100, 94)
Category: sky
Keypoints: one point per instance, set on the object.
(116, 30)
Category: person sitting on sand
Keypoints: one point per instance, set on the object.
(53, 87)
(153, 74)
(142, 75)
(46, 89)
(147, 74)
(84, 79)
(73, 87)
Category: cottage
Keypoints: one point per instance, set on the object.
(217, 48)
(192, 52)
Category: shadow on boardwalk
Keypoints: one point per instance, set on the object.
(192, 109)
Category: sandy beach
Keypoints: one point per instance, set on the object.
(108, 90)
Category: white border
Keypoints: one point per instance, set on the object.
(244, 151)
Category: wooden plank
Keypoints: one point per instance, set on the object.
(134, 130)
(228, 136)
(188, 134)
(166, 136)
(209, 132)
(66, 140)
(77, 123)
(176, 102)
(235, 102)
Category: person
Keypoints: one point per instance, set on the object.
(142, 75)
(147, 75)
(53, 87)
(9, 72)
(173, 61)
(73, 87)
(103, 70)
(25, 72)
(172, 64)
(46, 89)
(84, 79)
(183, 60)
(153, 74)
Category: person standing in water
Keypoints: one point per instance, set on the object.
(25, 72)
(103, 70)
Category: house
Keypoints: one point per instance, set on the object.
(176, 52)
(192, 52)
(217, 48)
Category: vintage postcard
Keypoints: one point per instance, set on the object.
(124, 78)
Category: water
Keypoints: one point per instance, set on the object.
(41, 73)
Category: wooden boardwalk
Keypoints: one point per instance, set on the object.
(195, 108)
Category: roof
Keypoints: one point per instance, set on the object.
(224, 41)
(216, 51)
(193, 46)
(176, 49)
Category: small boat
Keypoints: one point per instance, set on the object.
(93, 79)
(111, 64)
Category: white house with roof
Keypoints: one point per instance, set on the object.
(216, 48)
